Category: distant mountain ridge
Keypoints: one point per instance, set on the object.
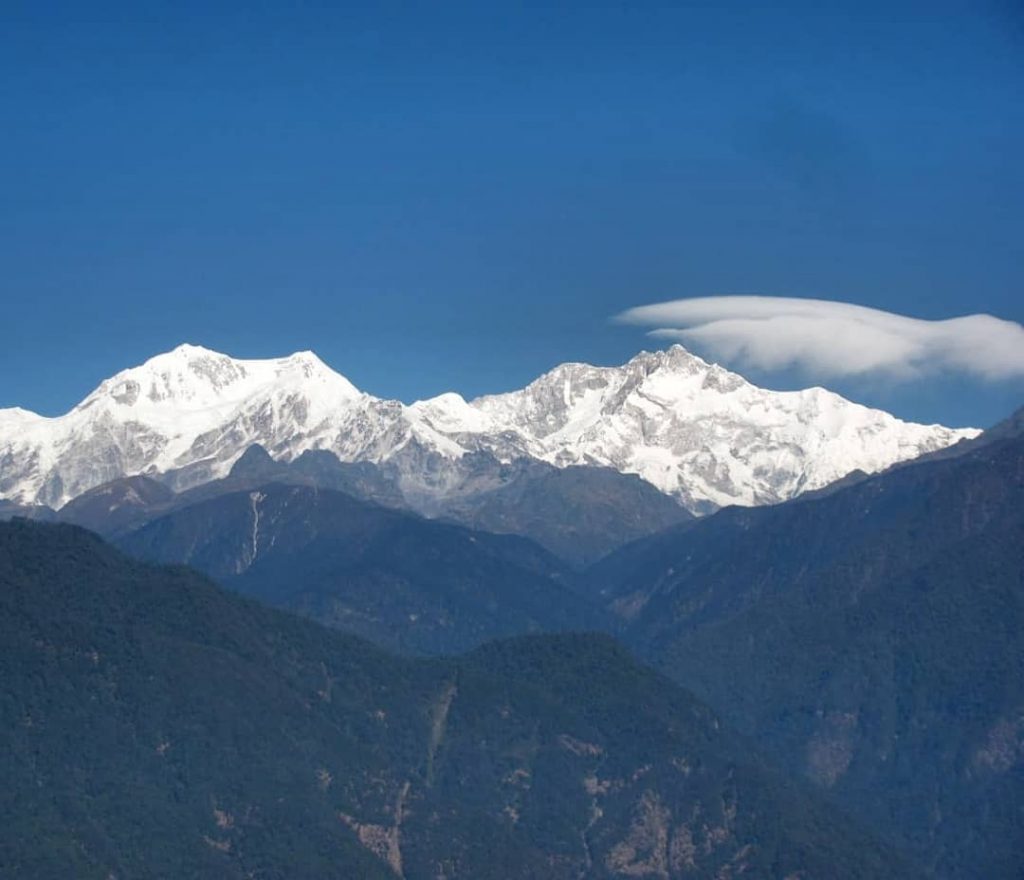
(693, 430)
(578, 513)
(402, 581)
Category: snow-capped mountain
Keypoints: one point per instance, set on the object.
(692, 429)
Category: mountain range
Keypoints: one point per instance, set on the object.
(871, 640)
(692, 430)
(577, 513)
(844, 663)
(155, 725)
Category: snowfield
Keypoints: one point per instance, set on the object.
(692, 429)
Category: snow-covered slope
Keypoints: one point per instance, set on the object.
(177, 409)
(694, 430)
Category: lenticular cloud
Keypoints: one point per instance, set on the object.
(835, 338)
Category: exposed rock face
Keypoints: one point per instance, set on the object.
(692, 429)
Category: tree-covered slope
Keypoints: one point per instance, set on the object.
(391, 576)
(872, 640)
(155, 725)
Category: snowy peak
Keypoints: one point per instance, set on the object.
(192, 377)
(675, 358)
(693, 429)
(186, 407)
(698, 431)
(576, 391)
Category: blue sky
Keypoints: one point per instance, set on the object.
(457, 197)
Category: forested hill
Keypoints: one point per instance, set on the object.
(155, 725)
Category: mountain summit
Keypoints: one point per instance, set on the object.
(692, 429)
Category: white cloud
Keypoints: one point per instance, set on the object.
(836, 339)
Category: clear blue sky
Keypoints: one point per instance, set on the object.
(457, 197)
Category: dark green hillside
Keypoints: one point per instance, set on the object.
(156, 726)
(390, 576)
(872, 640)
